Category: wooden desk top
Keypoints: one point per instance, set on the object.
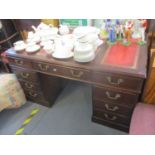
(138, 70)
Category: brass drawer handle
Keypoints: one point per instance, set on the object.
(118, 82)
(111, 109)
(117, 96)
(110, 118)
(18, 62)
(25, 75)
(43, 68)
(28, 85)
(33, 94)
(54, 69)
(76, 75)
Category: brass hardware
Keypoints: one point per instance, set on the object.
(33, 94)
(112, 97)
(54, 69)
(76, 75)
(43, 68)
(28, 85)
(18, 62)
(110, 118)
(111, 109)
(118, 82)
(24, 75)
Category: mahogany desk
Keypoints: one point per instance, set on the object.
(115, 88)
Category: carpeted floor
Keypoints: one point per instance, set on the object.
(71, 114)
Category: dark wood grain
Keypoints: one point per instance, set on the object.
(26, 85)
(20, 62)
(113, 107)
(47, 74)
(110, 124)
(25, 74)
(51, 87)
(139, 71)
(119, 81)
(115, 96)
(111, 117)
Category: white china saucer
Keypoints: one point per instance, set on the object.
(32, 49)
(59, 56)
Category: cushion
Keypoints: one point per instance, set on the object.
(11, 93)
(143, 120)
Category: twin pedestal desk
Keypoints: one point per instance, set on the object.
(116, 74)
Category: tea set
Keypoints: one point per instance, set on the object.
(81, 44)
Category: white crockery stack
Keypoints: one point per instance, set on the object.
(86, 44)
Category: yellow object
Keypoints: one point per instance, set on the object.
(35, 111)
(27, 121)
(104, 34)
(19, 131)
(54, 22)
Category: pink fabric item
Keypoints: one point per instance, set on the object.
(143, 120)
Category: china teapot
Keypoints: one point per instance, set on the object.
(45, 31)
(33, 37)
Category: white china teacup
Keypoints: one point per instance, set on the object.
(49, 48)
(19, 43)
(62, 51)
(30, 44)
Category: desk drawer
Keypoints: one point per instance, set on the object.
(114, 96)
(122, 127)
(118, 81)
(25, 74)
(30, 86)
(114, 108)
(19, 62)
(63, 71)
(35, 96)
(77, 74)
(111, 117)
(42, 67)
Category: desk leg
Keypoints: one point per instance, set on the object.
(51, 87)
